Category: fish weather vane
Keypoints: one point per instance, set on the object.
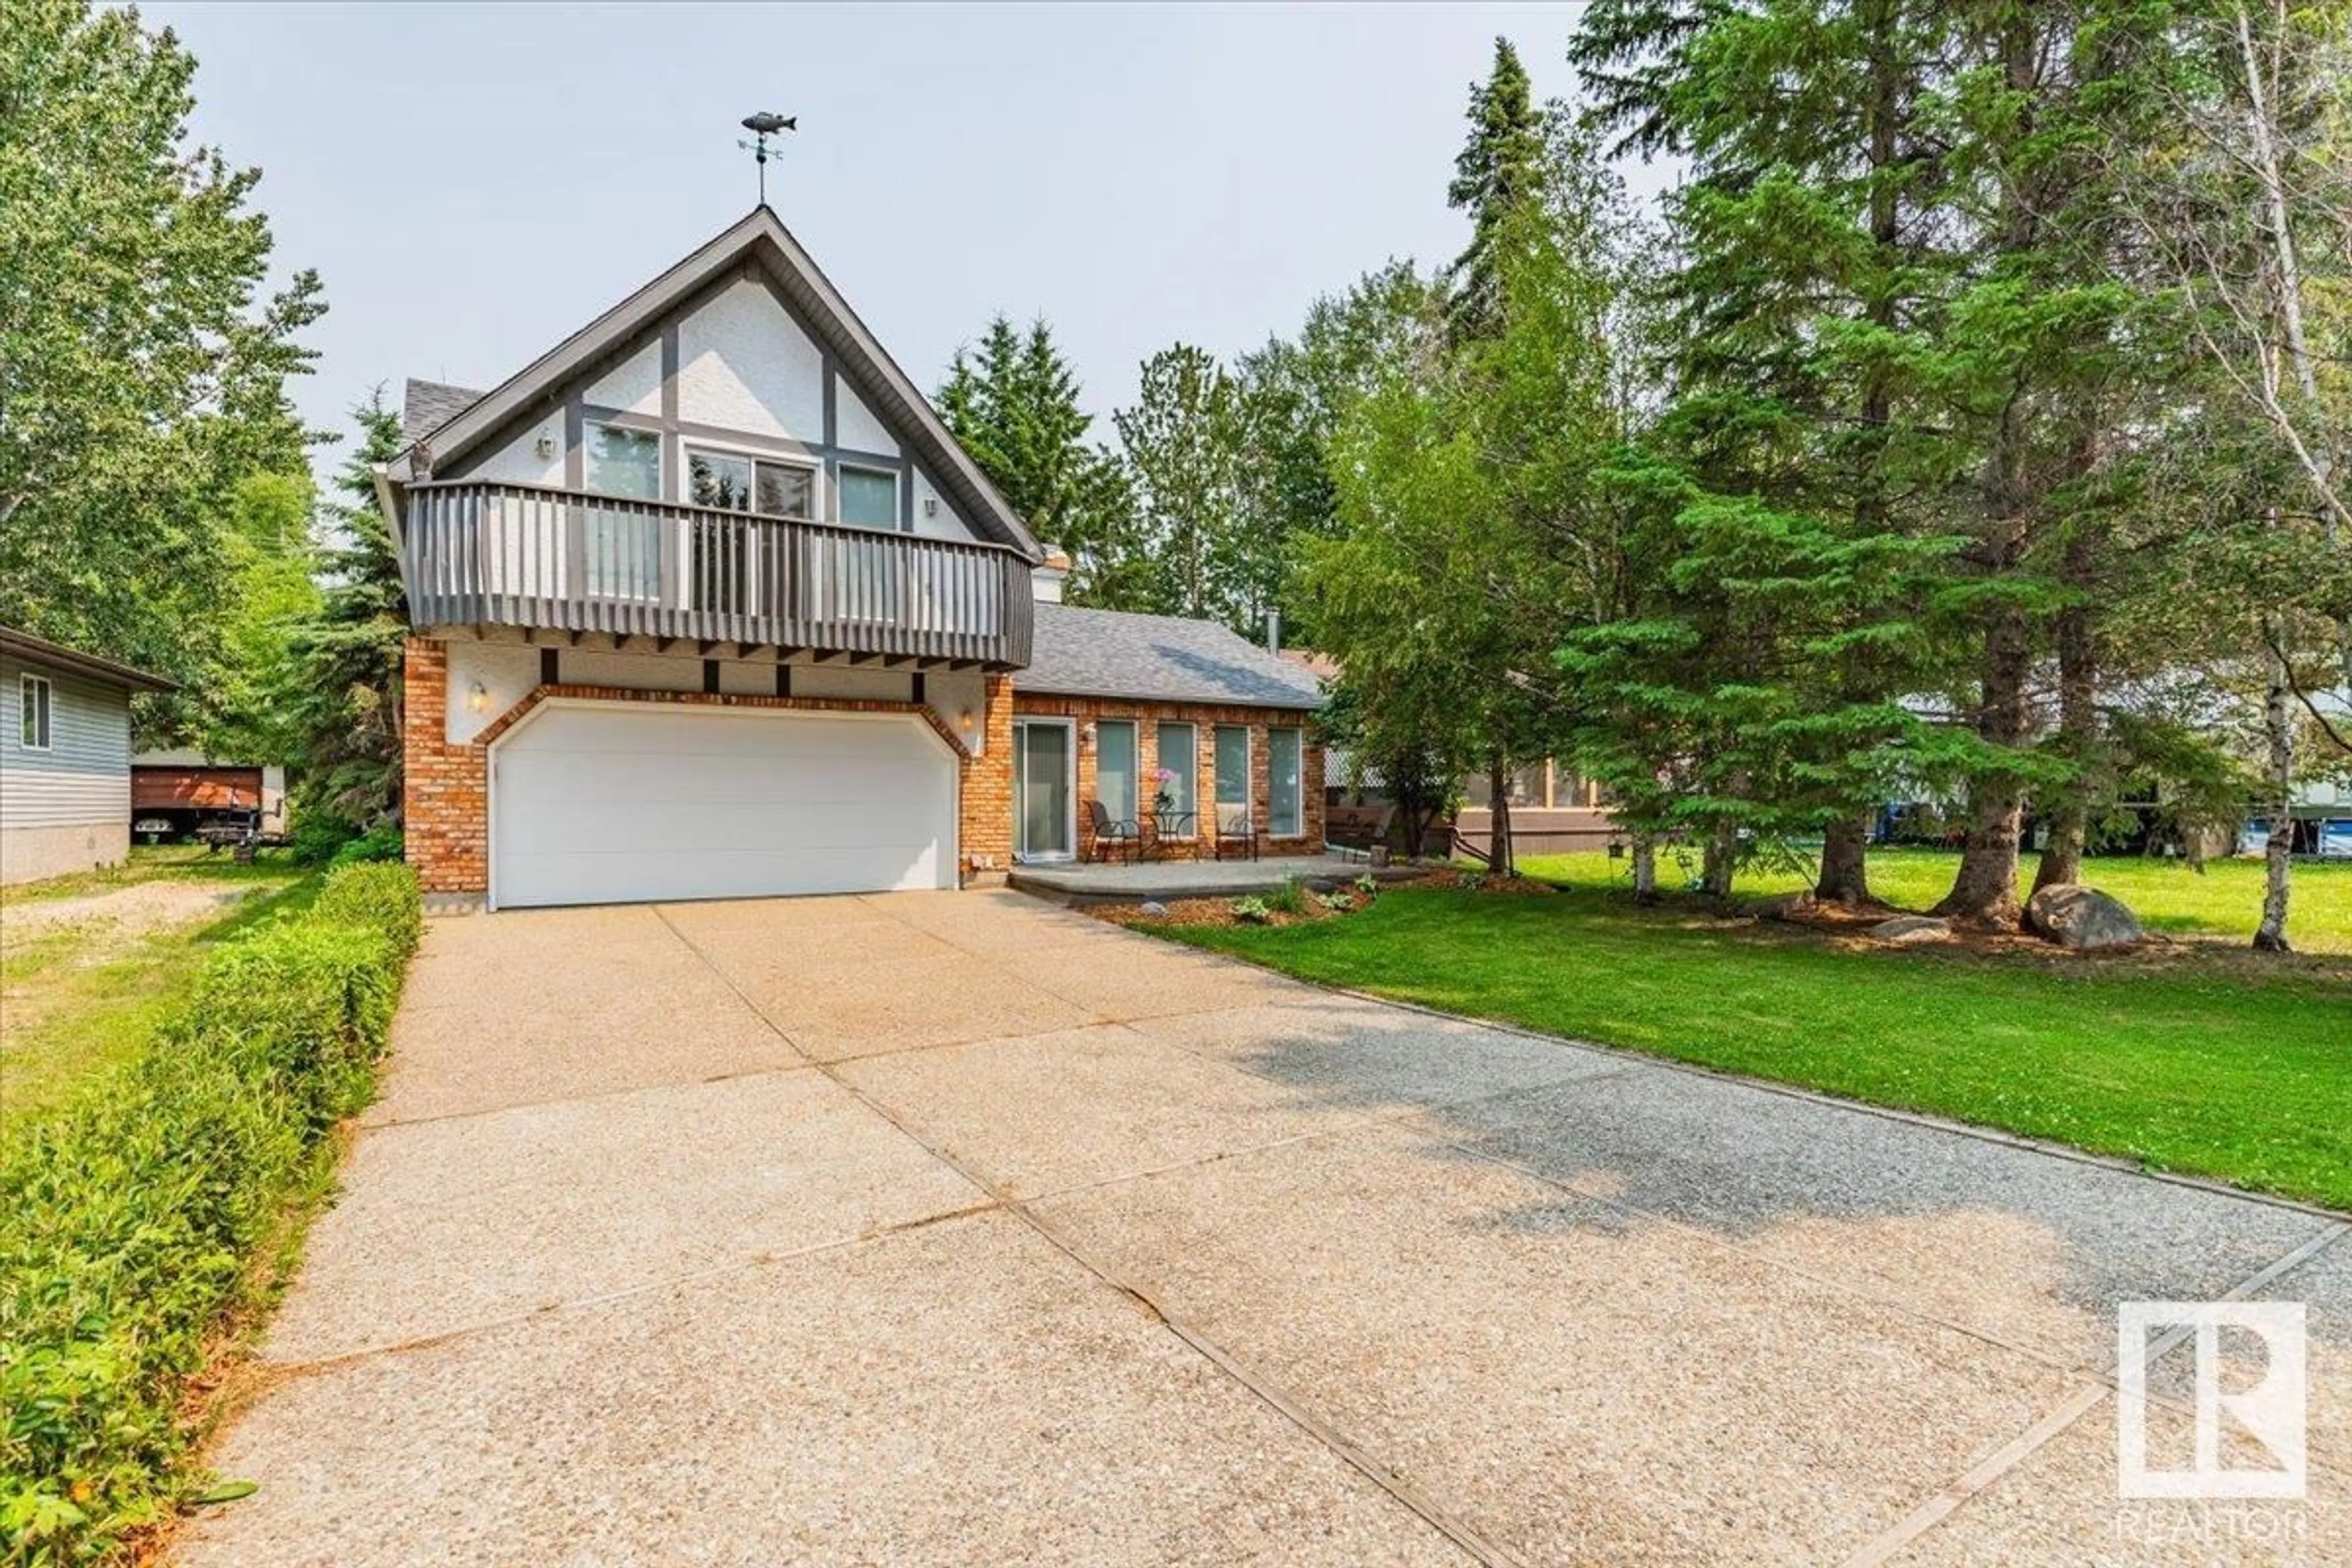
(762, 126)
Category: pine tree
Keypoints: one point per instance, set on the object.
(347, 712)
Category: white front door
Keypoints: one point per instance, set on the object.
(610, 803)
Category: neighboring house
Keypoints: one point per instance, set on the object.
(178, 791)
(65, 758)
(707, 602)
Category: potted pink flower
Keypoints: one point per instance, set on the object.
(1165, 801)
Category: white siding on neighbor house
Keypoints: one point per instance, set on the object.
(855, 425)
(744, 364)
(634, 385)
(85, 776)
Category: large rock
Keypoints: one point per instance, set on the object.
(2082, 919)
(1911, 931)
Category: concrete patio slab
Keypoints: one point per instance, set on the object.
(454, 1222)
(1123, 881)
(962, 1393)
(2032, 1249)
(1043, 1112)
(1588, 1387)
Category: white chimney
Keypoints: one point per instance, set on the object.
(1045, 577)
(1272, 631)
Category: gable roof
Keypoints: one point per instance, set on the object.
(426, 405)
(56, 655)
(759, 239)
(1168, 659)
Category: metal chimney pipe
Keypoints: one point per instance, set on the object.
(1272, 631)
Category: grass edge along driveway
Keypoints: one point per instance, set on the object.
(2216, 1065)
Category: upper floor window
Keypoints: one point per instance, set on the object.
(733, 482)
(869, 497)
(33, 714)
(623, 462)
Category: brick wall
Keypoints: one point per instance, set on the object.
(447, 802)
(1204, 718)
(446, 812)
(986, 828)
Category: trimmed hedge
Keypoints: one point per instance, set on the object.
(138, 1219)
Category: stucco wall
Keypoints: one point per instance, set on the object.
(744, 364)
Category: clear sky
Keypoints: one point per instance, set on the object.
(475, 181)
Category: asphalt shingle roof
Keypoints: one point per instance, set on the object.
(1166, 659)
(426, 405)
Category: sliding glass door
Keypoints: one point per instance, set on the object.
(1042, 826)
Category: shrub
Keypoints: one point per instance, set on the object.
(1290, 899)
(381, 842)
(1338, 903)
(1367, 886)
(138, 1218)
(318, 836)
(1255, 911)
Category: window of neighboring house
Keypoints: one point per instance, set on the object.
(624, 545)
(732, 482)
(1233, 774)
(1177, 778)
(33, 712)
(1115, 768)
(869, 497)
(1286, 760)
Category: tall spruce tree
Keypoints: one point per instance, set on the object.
(1500, 169)
(1182, 446)
(1791, 496)
(1014, 403)
(347, 710)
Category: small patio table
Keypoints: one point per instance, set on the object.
(1161, 828)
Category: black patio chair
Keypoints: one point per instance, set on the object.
(1110, 832)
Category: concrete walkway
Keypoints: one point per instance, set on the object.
(954, 1228)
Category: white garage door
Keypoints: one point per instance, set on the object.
(601, 804)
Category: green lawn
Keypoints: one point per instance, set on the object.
(2201, 1060)
(83, 996)
(2226, 900)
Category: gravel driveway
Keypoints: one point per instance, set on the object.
(945, 1229)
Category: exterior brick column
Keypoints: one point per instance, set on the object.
(985, 827)
(446, 814)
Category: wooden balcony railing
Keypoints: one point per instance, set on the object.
(521, 555)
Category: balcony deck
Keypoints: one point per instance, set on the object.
(485, 554)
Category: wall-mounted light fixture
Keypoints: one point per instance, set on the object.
(479, 699)
(930, 505)
(963, 720)
(545, 445)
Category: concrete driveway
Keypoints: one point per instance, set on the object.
(953, 1228)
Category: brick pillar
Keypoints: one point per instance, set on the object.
(986, 824)
(447, 800)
